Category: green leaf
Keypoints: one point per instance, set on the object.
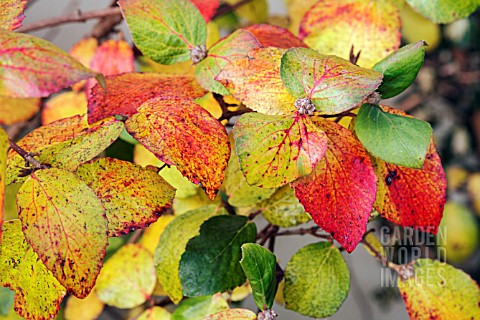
(210, 263)
(400, 69)
(22, 271)
(317, 280)
(440, 291)
(6, 300)
(172, 245)
(65, 223)
(333, 84)
(259, 265)
(199, 307)
(165, 31)
(275, 150)
(393, 138)
(444, 11)
(283, 209)
(128, 278)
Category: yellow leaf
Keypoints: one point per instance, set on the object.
(296, 10)
(232, 314)
(13, 110)
(83, 309)
(255, 11)
(193, 202)
(155, 313)
(152, 234)
(64, 105)
(415, 28)
(473, 187)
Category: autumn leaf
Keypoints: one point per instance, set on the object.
(84, 50)
(296, 9)
(255, 11)
(155, 313)
(334, 26)
(33, 67)
(65, 223)
(133, 197)
(274, 36)
(207, 7)
(4, 145)
(165, 31)
(444, 11)
(331, 83)
(22, 271)
(119, 100)
(64, 105)
(440, 291)
(133, 283)
(275, 150)
(181, 133)
(14, 110)
(232, 314)
(151, 235)
(89, 308)
(11, 13)
(340, 192)
(255, 80)
(200, 307)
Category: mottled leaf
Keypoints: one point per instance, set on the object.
(232, 314)
(400, 69)
(340, 192)
(4, 145)
(210, 262)
(331, 83)
(64, 105)
(11, 13)
(119, 100)
(444, 11)
(65, 223)
(334, 26)
(14, 110)
(127, 279)
(207, 7)
(200, 307)
(283, 209)
(317, 280)
(411, 197)
(165, 31)
(155, 313)
(235, 46)
(275, 150)
(172, 245)
(33, 67)
(133, 197)
(259, 265)
(89, 308)
(393, 137)
(274, 36)
(439, 291)
(22, 271)
(181, 133)
(255, 80)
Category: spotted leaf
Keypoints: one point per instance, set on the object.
(11, 13)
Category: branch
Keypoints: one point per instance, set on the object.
(28, 157)
(76, 16)
(303, 231)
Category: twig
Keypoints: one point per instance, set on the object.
(252, 215)
(106, 24)
(27, 156)
(135, 236)
(271, 242)
(77, 16)
(303, 231)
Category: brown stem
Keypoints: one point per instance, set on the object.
(303, 231)
(252, 215)
(27, 156)
(106, 24)
(383, 259)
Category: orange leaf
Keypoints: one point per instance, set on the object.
(207, 7)
(333, 26)
(126, 92)
(11, 13)
(84, 50)
(340, 192)
(14, 110)
(64, 105)
(275, 36)
(182, 133)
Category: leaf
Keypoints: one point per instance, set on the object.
(259, 265)
(65, 144)
(4, 145)
(181, 133)
(340, 192)
(84, 50)
(89, 308)
(274, 36)
(444, 11)
(22, 271)
(283, 209)
(400, 69)
(238, 191)
(255, 11)
(155, 313)
(172, 244)
(473, 188)
(14, 110)
(11, 13)
(275, 150)
(127, 279)
(417, 28)
(232, 314)
(296, 10)
(317, 280)
(165, 31)
(7, 297)
(64, 105)
(32, 67)
(333, 84)
(199, 307)
(235, 46)
(393, 138)
(207, 7)
(119, 100)
(151, 235)
(334, 26)
(210, 262)
(133, 197)
(255, 80)
(64, 222)
(410, 197)
(440, 291)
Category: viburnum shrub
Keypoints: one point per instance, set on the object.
(310, 140)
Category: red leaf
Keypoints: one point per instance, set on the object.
(207, 7)
(11, 13)
(340, 192)
(182, 133)
(126, 92)
(275, 36)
